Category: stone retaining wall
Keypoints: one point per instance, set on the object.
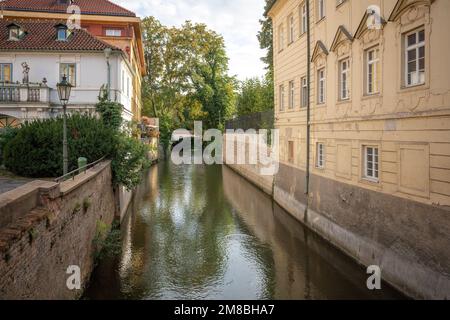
(53, 228)
(407, 239)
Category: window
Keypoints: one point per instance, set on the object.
(280, 38)
(113, 32)
(321, 86)
(123, 81)
(62, 34)
(5, 72)
(15, 33)
(415, 58)
(291, 151)
(291, 28)
(281, 97)
(304, 92)
(373, 71)
(344, 71)
(320, 161)
(321, 9)
(128, 87)
(371, 163)
(303, 18)
(291, 94)
(68, 70)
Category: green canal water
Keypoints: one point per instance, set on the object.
(204, 232)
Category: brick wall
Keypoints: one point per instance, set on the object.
(37, 249)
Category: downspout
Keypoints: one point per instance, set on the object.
(308, 108)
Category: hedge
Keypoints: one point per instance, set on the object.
(36, 149)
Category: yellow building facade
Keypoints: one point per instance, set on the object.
(379, 95)
(380, 98)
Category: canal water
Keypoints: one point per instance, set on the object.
(204, 232)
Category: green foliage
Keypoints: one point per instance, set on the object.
(86, 204)
(32, 235)
(255, 96)
(110, 113)
(6, 135)
(186, 76)
(36, 149)
(265, 38)
(107, 243)
(131, 157)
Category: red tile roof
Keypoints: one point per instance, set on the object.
(92, 7)
(42, 36)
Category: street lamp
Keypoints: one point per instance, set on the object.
(64, 88)
(108, 52)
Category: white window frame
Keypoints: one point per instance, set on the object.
(111, 32)
(291, 23)
(373, 63)
(320, 155)
(2, 72)
(72, 79)
(415, 47)
(344, 79)
(304, 92)
(281, 97)
(303, 18)
(321, 86)
(371, 167)
(321, 9)
(123, 81)
(291, 94)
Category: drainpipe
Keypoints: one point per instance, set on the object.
(308, 110)
(108, 52)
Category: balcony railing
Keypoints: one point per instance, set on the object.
(9, 94)
(24, 93)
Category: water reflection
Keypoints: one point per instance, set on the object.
(198, 232)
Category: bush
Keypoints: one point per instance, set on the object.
(131, 157)
(110, 113)
(6, 135)
(36, 149)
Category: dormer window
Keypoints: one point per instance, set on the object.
(16, 33)
(63, 32)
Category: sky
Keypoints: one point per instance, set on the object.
(236, 20)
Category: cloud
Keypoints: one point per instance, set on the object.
(236, 20)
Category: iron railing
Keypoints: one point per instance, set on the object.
(74, 173)
(257, 121)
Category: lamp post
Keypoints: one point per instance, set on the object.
(64, 88)
(108, 52)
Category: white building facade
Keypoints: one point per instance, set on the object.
(30, 71)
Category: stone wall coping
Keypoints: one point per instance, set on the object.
(20, 201)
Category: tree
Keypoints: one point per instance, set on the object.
(255, 95)
(208, 68)
(265, 37)
(186, 76)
